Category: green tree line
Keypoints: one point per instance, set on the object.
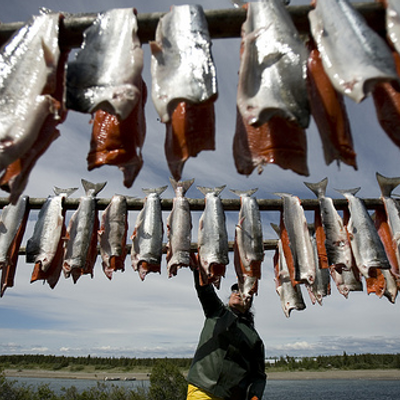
(344, 361)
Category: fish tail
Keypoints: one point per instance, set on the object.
(158, 190)
(281, 194)
(66, 192)
(185, 185)
(240, 193)
(92, 189)
(319, 189)
(206, 190)
(345, 192)
(387, 185)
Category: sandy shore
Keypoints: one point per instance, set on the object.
(296, 375)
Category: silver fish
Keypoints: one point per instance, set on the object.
(12, 217)
(290, 296)
(354, 56)
(272, 74)
(81, 247)
(28, 64)
(106, 73)
(366, 245)
(393, 22)
(337, 243)
(112, 235)
(321, 286)
(213, 246)
(43, 244)
(249, 246)
(147, 236)
(299, 236)
(182, 66)
(391, 289)
(179, 229)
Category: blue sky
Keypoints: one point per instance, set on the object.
(161, 316)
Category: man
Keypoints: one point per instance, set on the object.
(229, 362)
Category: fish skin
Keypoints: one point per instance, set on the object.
(299, 236)
(248, 245)
(337, 243)
(354, 56)
(347, 280)
(81, 244)
(321, 286)
(179, 229)
(393, 22)
(11, 218)
(272, 74)
(212, 239)
(182, 66)
(42, 246)
(107, 69)
(18, 214)
(112, 235)
(27, 74)
(146, 251)
(366, 245)
(289, 294)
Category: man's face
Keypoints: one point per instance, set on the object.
(236, 302)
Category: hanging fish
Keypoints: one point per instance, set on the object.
(147, 236)
(347, 280)
(12, 228)
(299, 237)
(44, 248)
(289, 294)
(248, 245)
(81, 239)
(179, 229)
(392, 21)
(112, 235)
(212, 239)
(353, 55)
(106, 72)
(184, 85)
(337, 243)
(272, 73)
(366, 245)
(321, 287)
(28, 64)
(329, 112)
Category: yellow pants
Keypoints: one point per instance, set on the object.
(195, 393)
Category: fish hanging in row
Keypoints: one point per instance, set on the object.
(45, 248)
(105, 80)
(32, 98)
(81, 238)
(184, 84)
(272, 103)
(12, 227)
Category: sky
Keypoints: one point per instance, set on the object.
(162, 317)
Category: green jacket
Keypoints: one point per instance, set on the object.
(230, 359)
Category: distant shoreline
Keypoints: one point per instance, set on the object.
(375, 374)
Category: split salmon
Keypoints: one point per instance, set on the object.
(81, 239)
(248, 245)
(212, 239)
(184, 85)
(44, 248)
(179, 229)
(28, 64)
(354, 56)
(147, 246)
(12, 228)
(112, 235)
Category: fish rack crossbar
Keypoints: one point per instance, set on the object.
(135, 204)
(225, 23)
